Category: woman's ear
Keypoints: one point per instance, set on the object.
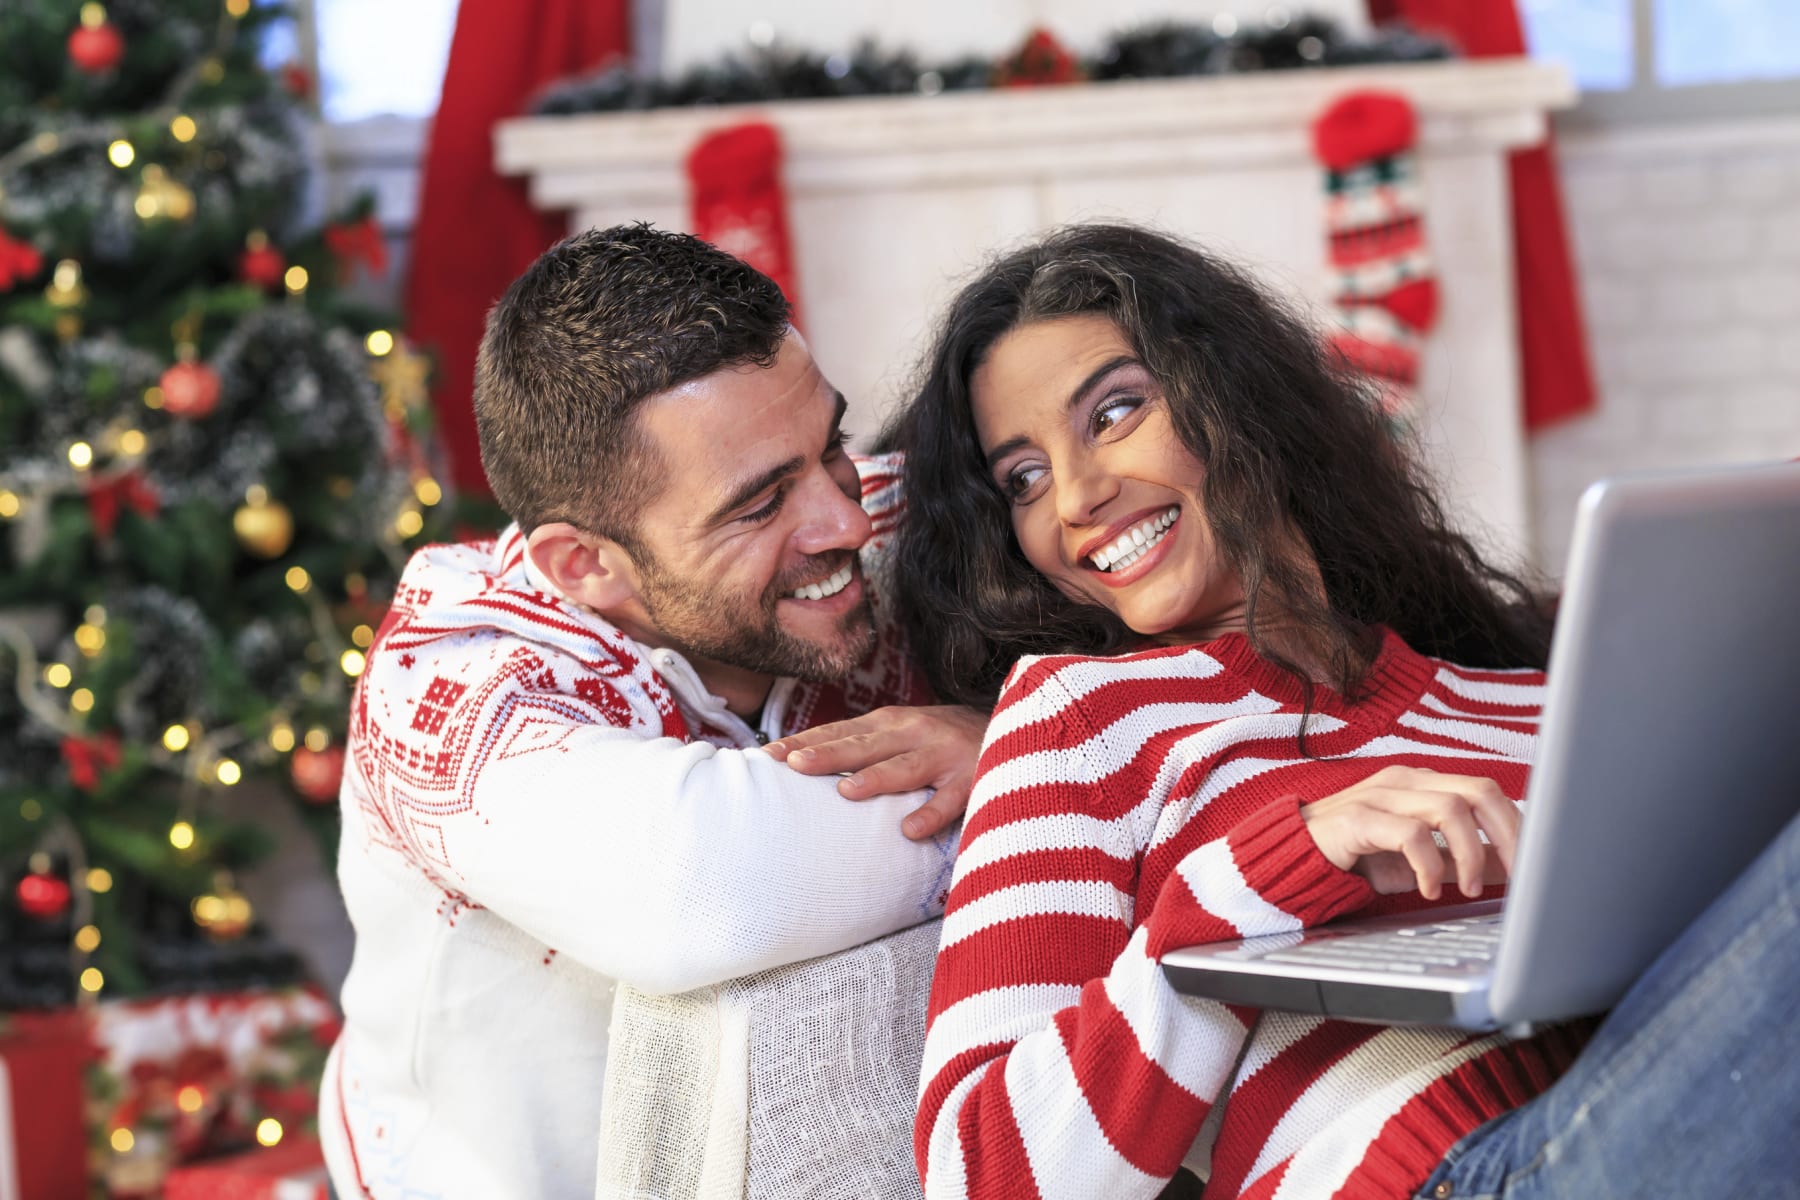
(585, 567)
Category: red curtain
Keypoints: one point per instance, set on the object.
(1558, 380)
(476, 230)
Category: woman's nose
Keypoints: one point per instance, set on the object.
(1082, 490)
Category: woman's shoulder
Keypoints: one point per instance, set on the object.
(1146, 675)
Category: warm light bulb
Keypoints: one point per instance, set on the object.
(379, 342)
(268, 1131)
(181, 835)
(295, 279)
(9, 504)
(409, 524)
(121, 1139)
(298, 579)
(92, 980)
(132, 442)
(317, 738)
(428, 490)
(81, 700)
(121, 154)
(87, 939)
(228, 772)
(237, 8)
(282, 738)
(190, 1099)
(352, 662)
(363, 636)
(58, 675)
(183, 128)
(81, 455)
(90, 639)
(176, 738)
(99, 880)
(153, 397)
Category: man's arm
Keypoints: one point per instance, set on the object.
(672, 865)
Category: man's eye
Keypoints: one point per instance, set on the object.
(768, 510)
(1110, 414)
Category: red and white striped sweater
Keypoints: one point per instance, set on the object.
(1125, 806)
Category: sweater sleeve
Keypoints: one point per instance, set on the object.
(1058, 1060)
(671, 865)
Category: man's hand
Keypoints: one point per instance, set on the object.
(896, 750)
(1383, 827)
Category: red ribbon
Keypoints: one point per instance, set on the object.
(19, 261)
(356, 242)
(106, 497)
(88, 757)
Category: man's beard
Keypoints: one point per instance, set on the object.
(695, 620)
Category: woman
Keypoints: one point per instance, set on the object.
(1263, 685)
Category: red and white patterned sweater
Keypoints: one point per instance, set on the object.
(535, 806)
(1125, 806)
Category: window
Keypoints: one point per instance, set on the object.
(1671, 58)
(377, 60)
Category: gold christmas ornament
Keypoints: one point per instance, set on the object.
(263, 526)
(224, 912)
(162, 197)
(401, 375)
(65, 290)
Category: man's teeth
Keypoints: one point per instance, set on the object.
(831, 587)
(1134, 543)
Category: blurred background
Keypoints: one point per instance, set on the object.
(245, 253)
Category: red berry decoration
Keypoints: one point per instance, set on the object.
(190, 390)
(42, 895)
(96, 48)
(317, 773)
(261, 264)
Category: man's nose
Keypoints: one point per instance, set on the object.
(829, 520)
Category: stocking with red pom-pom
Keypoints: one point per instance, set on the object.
(739, 204)
(1383, 286)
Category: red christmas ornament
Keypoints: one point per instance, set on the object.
(190, 390)
(1041, 61)
(107, 497)
(261, 264)
(317, 773)
(96, 48)
(42, 896)
(297, 80)
(19, 261)
(90, 757)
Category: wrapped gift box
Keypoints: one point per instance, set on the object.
(293, 1170)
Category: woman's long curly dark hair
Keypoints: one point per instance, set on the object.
(1291, 442)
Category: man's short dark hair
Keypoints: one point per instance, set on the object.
(598, 324)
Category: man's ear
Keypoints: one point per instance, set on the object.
(585, 567)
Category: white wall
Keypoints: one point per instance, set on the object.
(1687, 244)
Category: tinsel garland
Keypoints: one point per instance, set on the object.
(1161, 51)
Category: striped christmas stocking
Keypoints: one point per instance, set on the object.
(1383, 289)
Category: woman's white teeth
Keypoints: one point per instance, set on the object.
(1134, 543)
(831, 587)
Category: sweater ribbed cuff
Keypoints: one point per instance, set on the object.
(1278, 857)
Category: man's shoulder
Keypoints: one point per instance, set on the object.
(466, 617)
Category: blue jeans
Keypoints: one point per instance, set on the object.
(1690, 1089)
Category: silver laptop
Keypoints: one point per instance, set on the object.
(1668, 756)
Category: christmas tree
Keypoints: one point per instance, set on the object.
(211, 465)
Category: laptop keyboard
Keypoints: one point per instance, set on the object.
(1461, 942)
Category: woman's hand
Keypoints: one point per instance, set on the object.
(896, 749)
(1382, 829)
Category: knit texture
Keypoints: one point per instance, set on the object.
(1125, 806)
(537, 808)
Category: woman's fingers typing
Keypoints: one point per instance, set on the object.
(1407, 827)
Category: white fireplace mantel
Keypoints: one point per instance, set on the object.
(892, 200)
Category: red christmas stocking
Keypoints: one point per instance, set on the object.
(734, 182)
(1383, 287)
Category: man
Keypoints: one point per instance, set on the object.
(555, 781)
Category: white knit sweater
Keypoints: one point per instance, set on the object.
(536, 806)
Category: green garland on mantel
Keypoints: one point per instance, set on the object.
(773, 72)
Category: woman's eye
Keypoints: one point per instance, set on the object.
(1110, 414)
(1020, 482)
